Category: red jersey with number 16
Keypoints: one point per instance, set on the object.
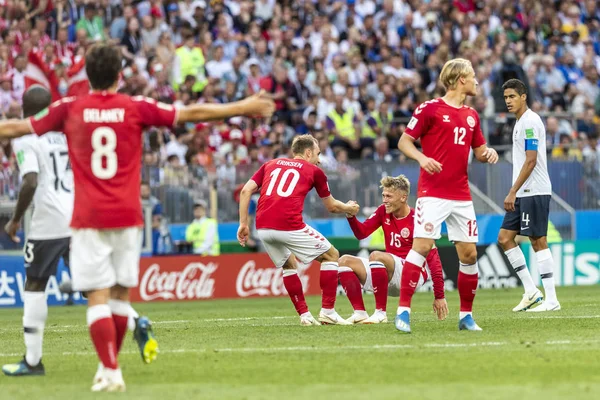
(447, 135)
(104, 136)
(284, 184)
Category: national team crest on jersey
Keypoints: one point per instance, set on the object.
(429, 227)
(471, 121)
(405, 232)
(387, 220)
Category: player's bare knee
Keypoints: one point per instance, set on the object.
(345, 261)
(422, 246)
(331, 255)
(468, 255)
(290, 263)
(119, 292)
(377, 256)
(539, 243)
(36, 284)
(506, 240)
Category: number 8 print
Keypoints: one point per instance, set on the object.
(104, 151)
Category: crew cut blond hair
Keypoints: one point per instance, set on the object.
(400, 182)
(454, 70)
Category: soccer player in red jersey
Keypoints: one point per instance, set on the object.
(381, 272)
(104, 136)
(448, 130)
(284, 184)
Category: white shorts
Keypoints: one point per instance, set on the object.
(306, 244)
(460, 219)
(104, 258)
(394, 285)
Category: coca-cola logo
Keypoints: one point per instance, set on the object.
(194, 282)
(253, 281)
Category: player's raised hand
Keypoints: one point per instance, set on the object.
(430, 165)
(11, 229)
(259, 104)
(243, 234)
(491, 155)
(440, 307)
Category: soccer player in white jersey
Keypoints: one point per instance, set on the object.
(527, 204)
(48, 182)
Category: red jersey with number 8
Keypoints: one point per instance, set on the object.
(284, 184)
(447, 135)
(104, 136)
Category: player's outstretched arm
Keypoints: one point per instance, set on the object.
(337, 207)
(244, 230)
(14, 128)
(486, 154)
(406, 144)
(362, 230)
(257, 105)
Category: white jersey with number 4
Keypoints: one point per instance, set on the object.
(53, 201)
(529, 133)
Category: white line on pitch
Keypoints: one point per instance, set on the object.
(326, 348)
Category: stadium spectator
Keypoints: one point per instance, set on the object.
(203, 232)
(382, 58)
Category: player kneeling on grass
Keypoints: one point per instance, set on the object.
(284, 184)
(381, 273)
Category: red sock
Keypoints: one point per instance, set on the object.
(411, 273)
(104, 334)
(379, 276)
(120, 313)
(351, 285)
(293, 285)
(467, 286)
(329, 283)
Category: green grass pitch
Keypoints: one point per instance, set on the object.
(256, 349)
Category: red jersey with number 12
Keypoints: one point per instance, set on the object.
(104, 136)
(447, 135)
(284, 184)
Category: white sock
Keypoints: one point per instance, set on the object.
(517, 260)
(131, 321)
(546, 268)
(402, 309)
(35, 313)
(463, 314)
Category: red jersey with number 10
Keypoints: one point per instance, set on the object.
(284, 184)
(104, 136)
(447, 135)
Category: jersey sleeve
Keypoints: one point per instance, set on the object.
(26, 156)
(321, 184)
(478, 139)
(419, 123)
(362, 230)
(50, 119)
(259, 175)
(532, 135)
(155, 113)
(437, 275)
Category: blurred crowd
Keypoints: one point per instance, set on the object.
(349, 72)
